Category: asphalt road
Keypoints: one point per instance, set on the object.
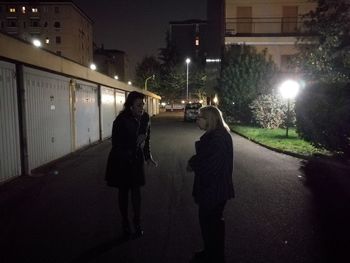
(72, 216)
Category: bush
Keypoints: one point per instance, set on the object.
(270, 111)
(245, 74)
(323, 116)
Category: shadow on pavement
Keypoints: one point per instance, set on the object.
(329, 182)
(99, 250)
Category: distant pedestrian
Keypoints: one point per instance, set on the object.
(213, 167)
(125, 166)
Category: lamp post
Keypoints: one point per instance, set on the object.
(188, 61)
(151, 77)
(289, 89)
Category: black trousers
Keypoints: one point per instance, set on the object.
(136, 205)
(212, 225)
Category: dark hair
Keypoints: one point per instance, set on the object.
(134, 95)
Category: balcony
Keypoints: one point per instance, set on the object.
(264, 27)
(12, 23)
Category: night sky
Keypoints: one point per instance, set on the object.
(137, 27)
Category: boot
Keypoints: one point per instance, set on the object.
(138, 232)
(126, 230)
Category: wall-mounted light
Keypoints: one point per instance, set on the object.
(116, 77)
(213, 60)
(197, 41)
(129, 83)
(93, 66)
(37, 42)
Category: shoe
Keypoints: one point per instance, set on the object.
(200, 257)
(126, 231)
(138, 232)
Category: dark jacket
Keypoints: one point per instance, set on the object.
(125, 165)
(213, 168)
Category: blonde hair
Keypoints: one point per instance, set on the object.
(214, 118)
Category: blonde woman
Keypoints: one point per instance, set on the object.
(213, 167)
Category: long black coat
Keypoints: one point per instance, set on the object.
(213, 168)
(125, 165)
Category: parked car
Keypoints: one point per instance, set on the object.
(174, 107)
(191, 111)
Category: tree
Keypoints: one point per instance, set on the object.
(325, 57)
(322, 109)
(323, 117)
(245, 74)
(147, 67)
(197, 82)
(169, 55)
(172, 82)
(270, 111)
(173, 74)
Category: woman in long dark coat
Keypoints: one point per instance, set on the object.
(213, 167)
(130, 149)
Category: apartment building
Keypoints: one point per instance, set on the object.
(190, 38)
(274, 25)
(271, 24)
(60, 26)
(111, 62)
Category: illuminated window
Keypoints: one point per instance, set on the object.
(197, 41)
(23, 9)
(34, 10)
(47, 40)
(12, 10)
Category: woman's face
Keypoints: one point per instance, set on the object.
(201, 122)
(137, 107)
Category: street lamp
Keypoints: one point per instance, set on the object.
(188, 61)
(289, 90)
(151, 77)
